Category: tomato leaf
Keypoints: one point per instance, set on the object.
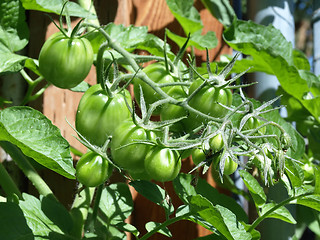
(221, 10)
(184, 189)
(13, 224)
(44, 218)
(37, 138)
(130, 38)
(154, 193)
(220, 217)
(55, 6)
(186, 14)
(164, 231)
(14, 35)
(256, 191)
(281, 213)
(295, 173)
(116, 202)
(209, 40)
(14, 32)
(270, 48)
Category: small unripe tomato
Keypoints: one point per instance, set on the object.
(198, 156)
(65, 62)
(216, 142)
(162, 164)
(92, 169)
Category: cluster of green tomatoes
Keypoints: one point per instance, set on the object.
(141, 148)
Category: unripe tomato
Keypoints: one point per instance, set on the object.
(216, 143)
(254, 123)
(126, 151)
(92, 169)
(206, 101)
(198, 156)
(65, 62)
(230, 166)
(99, 115)
(158, 73)
(171, 111)
(162, 164)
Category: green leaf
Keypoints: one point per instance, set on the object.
(13, 224)
(11, 62)
(116, 202)
(311, 201)
(295, 173)
(126, 227)
(14, 32)
(197, 40)
(186, 14)
(184, 189)
(130, 38)
(193, 217)
(154, 193)
(281, 213)
(221, 10)
(300, 60)
(46, 218)
(269, 47)
(37, 138)
(255, 189)
(164, 231)
(220, 217)
(55, 6)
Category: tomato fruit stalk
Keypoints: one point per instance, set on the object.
(65, 62)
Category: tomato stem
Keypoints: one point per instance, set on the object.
(79, 210)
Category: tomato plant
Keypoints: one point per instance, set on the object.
(72, 59)
(210, 118)
(92, 169)
(162, 164)
(98, 115)
(126, 150)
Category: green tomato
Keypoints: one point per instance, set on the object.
(162, 164)
(206, 101)
(99, 115)
(65, 62)
(198, 156)
(126, 151)
(92, 169)
(158, 74)
(171, 111)
(216, 143)
(254, 123)
(230, 166)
